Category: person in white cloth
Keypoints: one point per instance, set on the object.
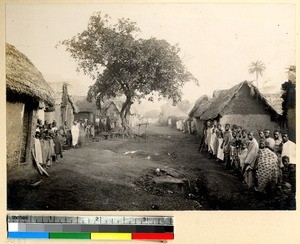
(37, 148)
(288, 148)
(75, 134)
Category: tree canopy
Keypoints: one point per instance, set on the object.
(123, 64)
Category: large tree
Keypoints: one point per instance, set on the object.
(257, 67)
(123, 64)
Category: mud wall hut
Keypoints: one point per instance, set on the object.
(245, 106)
(111, 110)
(26, 89)
(200, 106)
(85, 110)
(64, 108)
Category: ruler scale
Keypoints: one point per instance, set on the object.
(90, 227)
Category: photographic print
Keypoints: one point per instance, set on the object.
(150, 106)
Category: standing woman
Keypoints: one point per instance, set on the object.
(267, 168)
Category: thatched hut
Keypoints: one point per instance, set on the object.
(85, 110)
(245, 106)
(200, 106)
(111, 111)
(64, 108)
(25, 90)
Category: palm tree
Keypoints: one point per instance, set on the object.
(258, 68)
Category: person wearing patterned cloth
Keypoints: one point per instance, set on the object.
(267, 168)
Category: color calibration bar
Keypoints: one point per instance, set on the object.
(146, 228)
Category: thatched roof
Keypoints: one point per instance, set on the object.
(107, 103)
(83, 105)
(200, 106)
(218, 105)
(24, 79)
(59, 88)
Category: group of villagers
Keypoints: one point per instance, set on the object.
(264, 164)
(50, 140)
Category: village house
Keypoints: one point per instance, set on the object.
(200, 106)
(111, 111)
(85, 110)
(26, 90)
(243, 105)
(64, 108)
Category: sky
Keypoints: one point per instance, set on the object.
(217, 41)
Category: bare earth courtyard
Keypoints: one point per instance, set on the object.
(164, 172)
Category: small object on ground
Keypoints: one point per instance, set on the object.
(148, 157)
(169, 192)
(154, 207)
(37, 183)
(157, 171)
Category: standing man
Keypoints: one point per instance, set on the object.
(251, 160)
(288, 148)
(226, 145)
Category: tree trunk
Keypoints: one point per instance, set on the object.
(124, 113)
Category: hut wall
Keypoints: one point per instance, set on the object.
(14, 130)
(252, 122)
(41, 115)
(199, 124)
(113, 113)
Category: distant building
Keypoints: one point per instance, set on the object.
(200, 106)
(85, 110)
(26, 91)
(64, 108)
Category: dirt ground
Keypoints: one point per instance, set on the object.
(163, 172)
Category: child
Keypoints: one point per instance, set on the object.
(289, 172)
(242, 156)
